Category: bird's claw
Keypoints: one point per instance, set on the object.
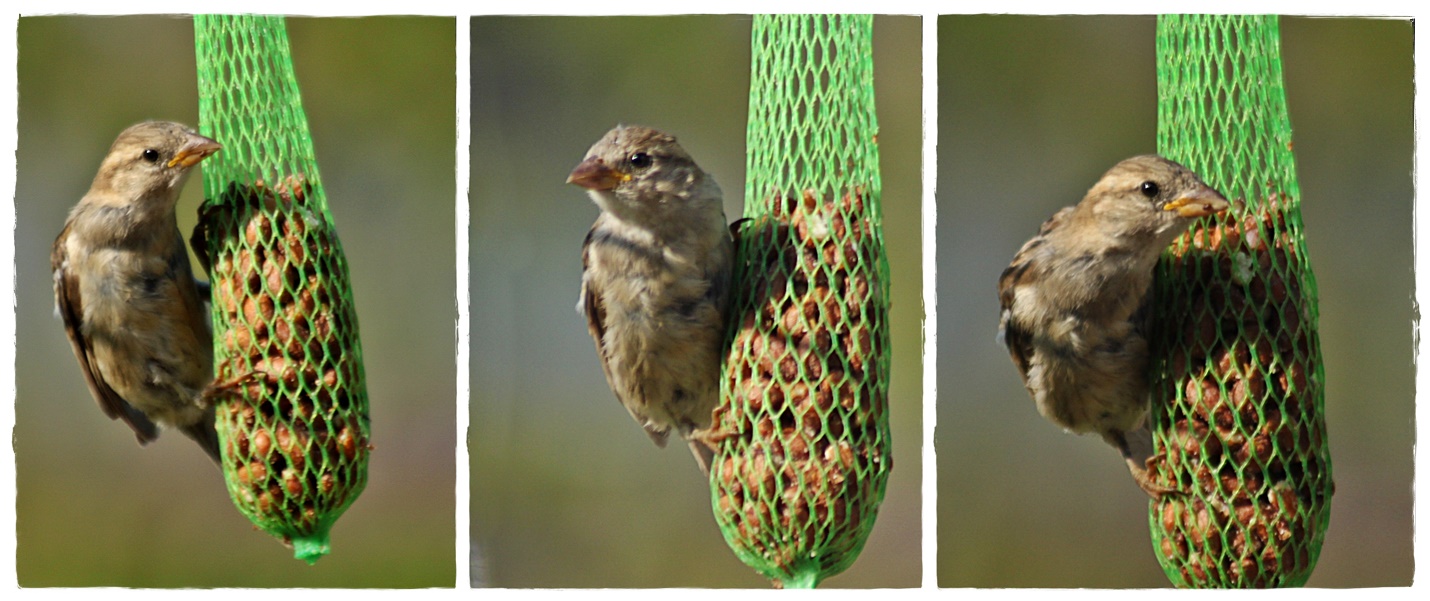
(1142, 474)
(230, 387)
(712, 437)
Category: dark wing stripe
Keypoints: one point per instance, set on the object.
(602, 237)
(1019, 343)
(67, 299)
(595, 312)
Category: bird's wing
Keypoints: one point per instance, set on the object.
(719, 271)
(193, 297)
(594, 309)
(739, 225)
(1010, 332)
(1142, 318)
(199, 239)
(591, 305)
(70, 306)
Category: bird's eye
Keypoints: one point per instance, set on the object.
(151, 155)
(1150, 189)
(640, 159)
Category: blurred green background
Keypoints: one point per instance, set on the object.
(96, 509)
(567, 489)
(1032, 110)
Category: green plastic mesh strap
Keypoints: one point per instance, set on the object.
(1238, 382)
(805, 449)
(293, 420)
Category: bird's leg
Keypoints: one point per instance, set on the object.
(711, 437)
(704, 454)
(1142, 475)
(705, 443)
(1141, 469)
(231, 387)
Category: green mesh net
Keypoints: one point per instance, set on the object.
(806, 455)
(292, 416)
(1238, 382)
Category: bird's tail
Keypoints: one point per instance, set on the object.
(1136, 449)
(704, 453)
(203, 433)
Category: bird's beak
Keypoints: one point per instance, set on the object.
(1201, 203)
(593, 174)
(195, 149)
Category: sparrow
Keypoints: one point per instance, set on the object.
(1075, 302)
(126, 293)
(655, 282)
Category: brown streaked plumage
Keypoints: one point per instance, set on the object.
(655, 282)
(1073, 301)
(126, 293)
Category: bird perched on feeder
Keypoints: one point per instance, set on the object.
(1074, 301)
(126, 293)
(655, 281)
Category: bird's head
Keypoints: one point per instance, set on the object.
(636, 172)
(1149, 194)
(151, 160)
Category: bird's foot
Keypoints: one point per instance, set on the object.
(704, 444)
(1142, 474)
(231, 387)
(711, 437)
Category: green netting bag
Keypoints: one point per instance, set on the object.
(805, 449)
(293, 416)
(1238, 385)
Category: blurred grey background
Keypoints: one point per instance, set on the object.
(567, 489)
(1032, 110)
(96, 509)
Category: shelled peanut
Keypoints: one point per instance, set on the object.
(293, 409)
(805, 450)
(1247, 438)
